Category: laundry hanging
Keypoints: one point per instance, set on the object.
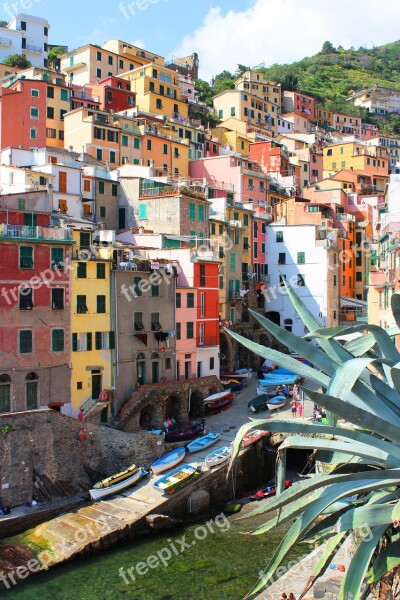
(142, 337)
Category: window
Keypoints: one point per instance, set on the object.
(300, 280)
(137, 285)
(232, 261)
(255, 250)
(33, 133)
(202, 275)
(190, 300)
(25, 298)
(101, 304)
(138, 321)
(288, 324)
(165, 148)
(102, 211)
(329, 152)
(98, 73)
(81, 306)
(114, 190)
(246, 245)
(192, 211)
(62, 113)
(101, 187)
(81, 270)
(121, 64)
(110, 60)
(155, 290)
(5, 393)
(279, 236)
(245, 220)
(35, 93)
(178, 331)
(124, 140)
(201, 212)
(57, 298)
(100, 271)
(57, 258)
(34, 113)
(64, 95)
(212, 363)
(112, 157)
(142, 210)
(32, 389)
(26, 257)
(99, 154)
(148, 144)
(282, 279)
(335, 280)
(178, 300)
(50, 92)
(301, 258)
(282, 258)
(201, 334)
(359, 276)
(189, 331)
(221, 282)
(57, 340)
(202, 304)
(25, 341)
(155, 321)
(136, 143)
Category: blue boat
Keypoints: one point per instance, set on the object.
(203, 442)
(276, 402)
(168, 461)
(281, 371)
(177, 479)
(277, 380)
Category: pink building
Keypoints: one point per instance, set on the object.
(300, 104)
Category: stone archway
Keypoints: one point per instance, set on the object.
(147, 417)
(196, 405)
(174, 407)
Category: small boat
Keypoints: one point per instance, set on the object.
(253, 436)
(109, 486)
(217, 396)
(236, 375)
(177, 479)
(219, 456)
(276, 402)
(266, 391)
(203, 442)
(278, 380)
(186, 433)
(236, 387)
(282, 371)
(168, 461)
(219, 405)
(258, 403)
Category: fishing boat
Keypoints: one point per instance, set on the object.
(203, 442)
(117, 483)
(236, 387)
(177, 479)
(276, 402)
(236, 375)
(218, 396)
(168, 461)
(270, 379)
(219, 405)
(253, 436)
(219, 456)
(281, 371)
(185, 433)
(258, 403)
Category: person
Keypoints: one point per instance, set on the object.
(80, 415)
(295, 391)
(301, 409)
(292, 596)
(294, 408)
(285, 390)
(166, 424)
(173, 423)
(279, 390)
(82, 434)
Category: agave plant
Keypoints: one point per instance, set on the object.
(359, 383)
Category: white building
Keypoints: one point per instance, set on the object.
(307, 257)
(25, 35)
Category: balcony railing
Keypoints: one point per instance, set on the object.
(345, 217)
(27, 232)
(32, 48)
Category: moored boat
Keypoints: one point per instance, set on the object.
(258, 403)
(219, 456)
(219, 405)
(266, 390)
(185, 433)
(177, 479)
(217, 396)
(168, 461)
(253, 436)
(278, 379)
(203, 442)
(105, 488)
(276, 402)
(236, 375)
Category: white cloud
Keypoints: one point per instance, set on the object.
(279, 31)
(138, 44)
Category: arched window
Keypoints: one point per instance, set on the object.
(141, 368)
(32, 391)
(5, 393)
(288, 324)
(155, 356)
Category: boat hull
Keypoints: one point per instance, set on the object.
(252, 437)
(97, 493)
(220, 405)
(215, 397)
(185, 434)
(218, 457)
(176, 480)
(276, 402)
(168, 461)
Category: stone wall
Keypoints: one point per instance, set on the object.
(45, 444)
(152, 403)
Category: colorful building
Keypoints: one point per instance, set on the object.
(299, 104)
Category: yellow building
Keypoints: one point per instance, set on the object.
(92, 322)
(57, 105)
(96, 132)
(324, 117)
(157, 91)
(356, 156)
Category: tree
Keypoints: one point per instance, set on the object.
(53, 55)
(360, 480)
(3, 23)
(17, 60)
(328, 48)
(241, 69)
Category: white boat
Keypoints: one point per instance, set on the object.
(106, 490)
(276, 402)
(219, 456)
(217, 396)
(168, 461)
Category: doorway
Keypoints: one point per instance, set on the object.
(96, 384)
(155, 372)
(187, 369)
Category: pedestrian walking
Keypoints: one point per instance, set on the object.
(301, 409)
(294, 408)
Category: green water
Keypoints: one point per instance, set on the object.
(222, 566)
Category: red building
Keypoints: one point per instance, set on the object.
(23, 115)
(300, 104)
(206, 282)
(271, 157)
(34, 308)
(114, 94)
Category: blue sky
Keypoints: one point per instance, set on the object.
(223, 32)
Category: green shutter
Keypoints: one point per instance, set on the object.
(57, 258)
(26, 257)
(246, 220)
(111, 337)
(192, 211)
(178, 331)
(201, 212)
(89, 341)
(74, 342)
(98, 340)
(25, 341)
(101, 304)
(233, 261)
(136, 283)
(136, 143)
(58, 340)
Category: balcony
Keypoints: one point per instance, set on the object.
(35, 49)
(203, 253)
(263, 216)
(27, 232)
(74, 67)
(264, 278)
(345, 217)
(5, 41)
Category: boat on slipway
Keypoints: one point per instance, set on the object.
(168, 461)
(176, 480)
(117, 483)
(203, 442)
